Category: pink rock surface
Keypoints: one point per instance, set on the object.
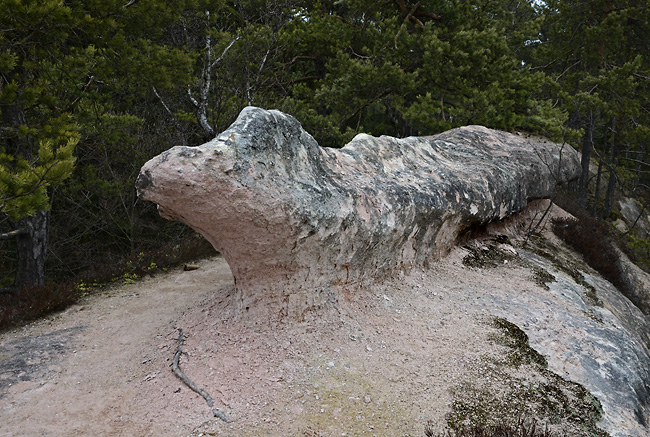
(297, 222)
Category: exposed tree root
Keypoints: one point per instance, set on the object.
(178, 372)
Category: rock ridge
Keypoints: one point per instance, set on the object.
(296, 222)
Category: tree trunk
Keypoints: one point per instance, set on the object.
(201, 105)
(640, 174)
(587, 145)
(608, 204)
(31, 237)
(32, 250)
(594, 209)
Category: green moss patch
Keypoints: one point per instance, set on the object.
(516, 385)
(487, 256)
(515, 340)
(542, 277)
(544, 248)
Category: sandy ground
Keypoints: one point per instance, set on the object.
(382, 363)
(381, 366)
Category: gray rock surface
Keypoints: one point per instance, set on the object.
(588, 331)
(635, 217)
(604, 347)
(295, 220)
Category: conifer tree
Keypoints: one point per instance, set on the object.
(38, 133)
(595, 55)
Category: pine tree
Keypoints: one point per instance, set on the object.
(38, 134)
(413, 68)
(595, 55)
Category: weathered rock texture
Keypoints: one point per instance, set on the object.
(603, 346)
(295, 220)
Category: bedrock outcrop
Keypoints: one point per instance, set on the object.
(295, 221)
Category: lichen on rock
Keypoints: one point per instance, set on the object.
(296, 221)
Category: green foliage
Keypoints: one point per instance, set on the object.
(116, 77)
(357, 66)
(595, 58)
(39, 134)
(23, 184)
(129, 278)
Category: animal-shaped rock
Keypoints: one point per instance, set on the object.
(296, 221)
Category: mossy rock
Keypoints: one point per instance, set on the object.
(487, 256)
(517, 388)
(542, 277)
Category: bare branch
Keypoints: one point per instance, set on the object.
(155, 91)
(300, 58)
(259, 72)
(171, 114)
(567, 69)
(201, 105)
(249, 88)
(409, 17)
(637, 161)
(216, 412)
(12, 234)
(220, 58)
(192, 99)
(72, 104)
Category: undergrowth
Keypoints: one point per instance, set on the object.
(149, 262)
(636, 249)
(593, 240)
(31, 303)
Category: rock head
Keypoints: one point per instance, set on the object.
(297, 222)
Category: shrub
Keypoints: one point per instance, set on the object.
(150, 261)
(592, 238)
(30, 303)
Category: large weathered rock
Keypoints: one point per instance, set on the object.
(602, 345)
(295, 220)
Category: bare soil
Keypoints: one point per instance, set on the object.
(382, 362)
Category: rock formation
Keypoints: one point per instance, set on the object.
(601, 344)
(299, 224)
(295, 220)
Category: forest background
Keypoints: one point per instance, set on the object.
(92, 89)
